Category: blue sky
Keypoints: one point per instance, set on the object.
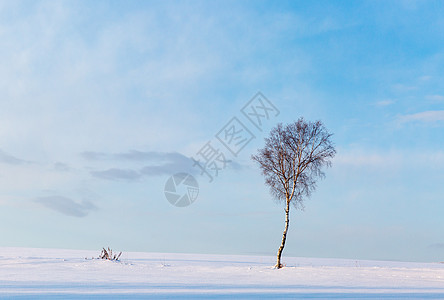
(100, 102)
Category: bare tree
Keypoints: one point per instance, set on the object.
(291, 162)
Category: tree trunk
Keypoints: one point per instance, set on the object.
(284, 235)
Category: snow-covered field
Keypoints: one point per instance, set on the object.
(66, 274)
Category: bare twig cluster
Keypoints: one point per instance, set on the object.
(108, 254)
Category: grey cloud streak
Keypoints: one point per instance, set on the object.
(116, 174)
(133, 155)
(164, 163)
(67, 206)
(9, 159)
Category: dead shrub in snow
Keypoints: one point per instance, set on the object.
(108, 254)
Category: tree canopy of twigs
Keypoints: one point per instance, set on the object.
(291, 161)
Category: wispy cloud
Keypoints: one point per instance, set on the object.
(133, 155)
(437, 246)
(168, 168)
(388, 160)
(9, 159)
(90, 155)
(435, 98)
(117, 174)
(163, 163)
(426, 116)
(425, 78)
(404, 87)
(61, 167)
(366, 159)
(383, 103)
(67, 206)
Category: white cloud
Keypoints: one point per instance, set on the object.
(367, 159)
(435, 98)
(425, 78)
(385, 102)
(388, 160)
(426, 116)
(404, 87)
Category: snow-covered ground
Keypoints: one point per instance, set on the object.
(66, 274)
